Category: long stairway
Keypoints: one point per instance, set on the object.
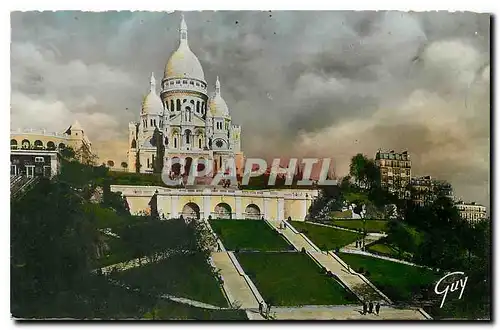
(235, 284)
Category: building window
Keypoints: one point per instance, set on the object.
(39, 160)
(178, 105)
(175, 142)
(199, 143)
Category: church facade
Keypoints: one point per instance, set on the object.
(180, 122)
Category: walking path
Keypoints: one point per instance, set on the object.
(235, 284)
(344, 313)
(369, 238)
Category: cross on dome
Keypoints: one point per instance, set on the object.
(152, 83)
(183, 29)
(217, 86)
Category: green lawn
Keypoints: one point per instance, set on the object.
(255, 235)
(341, 214)
(398, 281)
(326, 238)
(371, 226)
(383, 249)
(292, 279)
(188, 276)
(99, 299)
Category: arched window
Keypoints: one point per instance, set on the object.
(188, 136)
(148, 162)
(198, 106)
(178, 105)
(61, 146)
(192, 102)
(133, 144)
(172, 105)
(13, 144)
(199, 143)
(175, 142)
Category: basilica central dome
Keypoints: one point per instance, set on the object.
(183, 63)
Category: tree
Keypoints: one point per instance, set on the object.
(110, 163)
(137, 162)
(401, 237)
(160, 151)
(124, 165)
(357, 168)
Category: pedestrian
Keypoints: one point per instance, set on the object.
(370, 307)
(356, 244)
(377, 308)
(260, 307)
(268, 309)
(218, 246)
(364, 307)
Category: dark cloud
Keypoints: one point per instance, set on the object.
(300, 83)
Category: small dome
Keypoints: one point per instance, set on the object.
(216, 104)
(183, 63)
(151, 104)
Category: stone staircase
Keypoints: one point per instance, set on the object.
(236, 286)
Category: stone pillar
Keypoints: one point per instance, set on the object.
(239, 213)
(281, 209)
(265, 203)
(54, 165)
(174, 211)
(304, 209)
(183, 164)
(206, 204)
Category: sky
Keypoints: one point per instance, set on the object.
(301, 84)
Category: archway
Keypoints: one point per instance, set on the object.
(252, 211)
(51, 145)
(25, 144)
(175, 166)
(62, 146)
(222, 211)
(191, 211)
(38, 144)
(13, 144)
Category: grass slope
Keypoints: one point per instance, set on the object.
(398, 281)
(324, 237)
(292, 279)
(253, 235)
(188, 276)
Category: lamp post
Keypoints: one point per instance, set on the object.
(362, 214)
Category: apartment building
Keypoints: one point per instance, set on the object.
(395, 171)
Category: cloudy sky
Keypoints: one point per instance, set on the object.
(327, 84)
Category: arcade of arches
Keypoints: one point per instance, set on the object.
(219, 204)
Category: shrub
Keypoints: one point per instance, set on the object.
(237, 250)
(361, 270)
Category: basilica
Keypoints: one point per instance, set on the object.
(182, 119)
